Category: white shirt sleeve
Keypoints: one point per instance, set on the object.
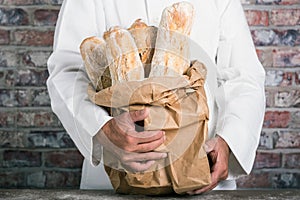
(243, 106)
(67, 83)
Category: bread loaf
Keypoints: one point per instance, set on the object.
(171, 56)
(123, 56)
(92, 50)
(144, 37)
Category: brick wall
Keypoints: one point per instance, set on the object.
(36, 152)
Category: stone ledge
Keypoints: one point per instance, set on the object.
(14, 194)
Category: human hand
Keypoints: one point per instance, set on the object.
(218, 153)
(134, 149)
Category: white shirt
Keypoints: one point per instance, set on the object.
(220, 29)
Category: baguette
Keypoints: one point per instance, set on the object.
(123, 56)
(171, 56)
(144, 37)
(92, 50)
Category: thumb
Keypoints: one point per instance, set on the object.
(139, 115)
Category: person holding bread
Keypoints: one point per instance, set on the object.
(219, 27)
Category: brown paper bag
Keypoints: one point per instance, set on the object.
(178, 106)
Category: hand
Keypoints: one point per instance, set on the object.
(218, 153)
(134, 149)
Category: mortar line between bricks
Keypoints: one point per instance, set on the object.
(25, 48)
(40, 149)
(277, 170)
(38, 169)
(280, 129)
(287, 88)
(28, 27)
(272, 27)
(37, 108)
(270, 7)
(283, 68)
(278, 47)
(32, 129)
(279, 150)
(36, 6)
(283, 109)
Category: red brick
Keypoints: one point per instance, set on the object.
(286, 57)
(45, 17)
(35, 58)
(266, 140)
(257, 17)
(288, 139)
(4, 37)
(8, 59)
(285, 17)
(33, 37)
(287, 98)
(279, 78)
(40, 118)
(31, 77)
(277, 119)
(12, 179)
(40, 97)
(12, 139)
(21, 159)
(7, 79)
(295, 120)
(13, 16)
(51, 139)
(7, 98)
(291, 160)
(267, 160)
(62, 179)
(286, 180)
(265, 57)
(7, 118)
(63, 159)
(36, 180)
(275, 37)
(255, 180)
(23, 97)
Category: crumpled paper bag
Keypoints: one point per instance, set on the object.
(178, 106)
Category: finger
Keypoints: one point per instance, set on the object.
(215, 177)
(139, 115)
(203, 190)
(150, 146)
(213, 184)
(140, 166)
(209, 145)
(149, 136)
(142, 157)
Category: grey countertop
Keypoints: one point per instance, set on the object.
(23, 194)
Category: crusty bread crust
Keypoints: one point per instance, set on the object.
(123, 56)
(144, 37)
(171, 56)
(93, 54)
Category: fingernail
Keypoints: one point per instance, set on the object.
(165, 155)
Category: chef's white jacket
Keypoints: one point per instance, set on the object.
(220, 29)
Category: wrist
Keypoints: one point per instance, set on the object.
(224, 144)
